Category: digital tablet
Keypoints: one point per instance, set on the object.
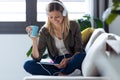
(46, 63)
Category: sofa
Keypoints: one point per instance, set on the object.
(103, 54)
(100, 58)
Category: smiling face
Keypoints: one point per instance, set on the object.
(55, 18)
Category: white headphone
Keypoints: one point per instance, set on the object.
(64, 13)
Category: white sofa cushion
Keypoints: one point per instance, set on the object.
(93, 37)
(114, 43)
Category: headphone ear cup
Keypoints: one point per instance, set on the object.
(64, 12)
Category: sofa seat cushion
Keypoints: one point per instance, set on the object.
(42, 77)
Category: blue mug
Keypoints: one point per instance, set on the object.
(34, 31)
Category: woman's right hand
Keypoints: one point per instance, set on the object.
(63, 63)
(28, 30)
(35, 52)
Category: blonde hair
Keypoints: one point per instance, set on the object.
(65, 22)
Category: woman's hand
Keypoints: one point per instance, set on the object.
(63, 63)
(28, 30)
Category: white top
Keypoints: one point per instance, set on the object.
(60, 46)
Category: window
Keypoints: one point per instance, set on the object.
(80, 8)
(15, 15)
(12, 10)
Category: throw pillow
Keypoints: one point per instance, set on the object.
(113, 44)
(86, 33)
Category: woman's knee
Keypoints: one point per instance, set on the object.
(28, 64)
(80, 55)
(78, 59)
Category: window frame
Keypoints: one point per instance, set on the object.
(18, 27)
(74, 12)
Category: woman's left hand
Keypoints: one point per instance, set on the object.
(63, 63)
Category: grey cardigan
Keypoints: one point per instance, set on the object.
(73, 42)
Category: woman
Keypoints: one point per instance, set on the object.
(62, 38)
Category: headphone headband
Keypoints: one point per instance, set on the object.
(64, 13)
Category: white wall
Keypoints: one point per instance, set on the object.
(115, 26)
(12, 56)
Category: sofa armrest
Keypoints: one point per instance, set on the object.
(93, 37)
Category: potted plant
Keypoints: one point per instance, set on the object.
(86, 21)
(112, 12)
(29, 52)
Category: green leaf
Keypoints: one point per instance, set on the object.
(116, 1)
(98, 22)
(87, 16)
(29, 52)
(111, 18)
(84, 24)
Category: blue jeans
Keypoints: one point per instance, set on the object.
(34, 68)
